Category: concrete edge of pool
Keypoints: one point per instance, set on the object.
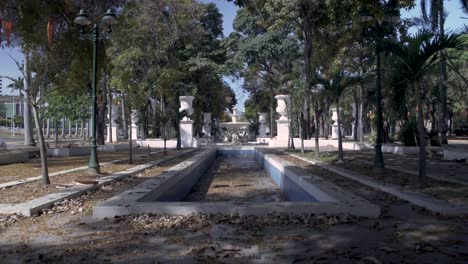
(307, 194)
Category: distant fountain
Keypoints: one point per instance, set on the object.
(235, 130)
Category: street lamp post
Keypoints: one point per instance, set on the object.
(391, 16)
(82, 20)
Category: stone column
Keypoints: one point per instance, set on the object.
(282, 122)
(134, 127)
(262, 119)
(186, 124)
(207, 123)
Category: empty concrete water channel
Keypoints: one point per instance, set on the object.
(235, 180)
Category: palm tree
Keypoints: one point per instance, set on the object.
(335, 84)
(417, 56)
(437, 16)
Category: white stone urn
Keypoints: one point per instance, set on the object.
(186, 104)
(282, 108)
(262, 119)
(207, 123)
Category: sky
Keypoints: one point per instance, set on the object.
(455, 20)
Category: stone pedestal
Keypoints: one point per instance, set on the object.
(283, 129)
(115, 132)
(335, 131)
(186, 133)
(134, 132)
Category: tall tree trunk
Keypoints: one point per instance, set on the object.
(27, 121)
(356, 113)
(42, 147)
(130, 150)
(308, 52)
(102, 108)
(124, 117)
(101, 123)
(291, 124)
(76, 128)
(316, 117)
(88, 129)
(110, 119)
(271, 118)
(340, 137)
(322, 125)
(63, 128)
(327, 118)
(443, 81)
(143, 127)
(361, 117)
(300, 118)
(70, 128)
(422, 138)
(56, 132)
(82, 134)
(48, 128)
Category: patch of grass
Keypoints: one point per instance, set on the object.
(327, 157)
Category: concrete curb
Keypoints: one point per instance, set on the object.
(425, 201)
(35, 206)
(173, 185)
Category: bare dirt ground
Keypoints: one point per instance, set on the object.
(28, 191)
(236, 179)
(17, 171)
(403, 234)
(454, 193)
